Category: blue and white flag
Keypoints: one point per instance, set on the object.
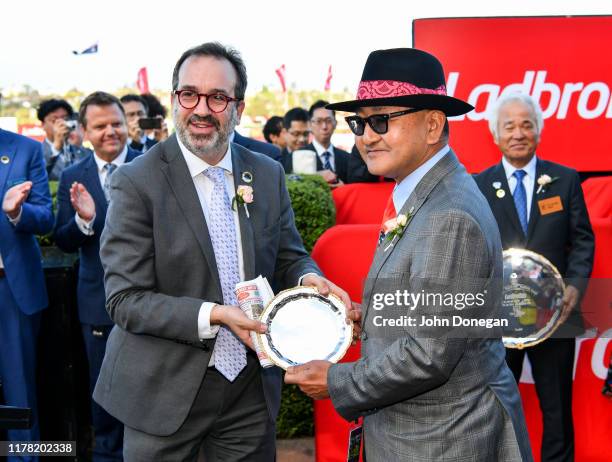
(87, 51)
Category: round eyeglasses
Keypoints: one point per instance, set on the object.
(377, 122)
(216, 102)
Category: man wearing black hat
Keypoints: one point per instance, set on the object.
(432, 382)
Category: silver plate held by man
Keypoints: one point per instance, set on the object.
(532, 298)
(304, 325)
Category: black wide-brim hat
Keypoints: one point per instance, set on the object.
(403, 77)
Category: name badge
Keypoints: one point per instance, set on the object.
(550, 205)
(354, 446)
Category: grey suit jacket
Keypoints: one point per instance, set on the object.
(431, 394)
(160, 266)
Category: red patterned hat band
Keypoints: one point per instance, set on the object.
(371, 89)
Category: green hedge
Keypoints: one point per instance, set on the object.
(47, 239)
(313, 206)
(314, 213)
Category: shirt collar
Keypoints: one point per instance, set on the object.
(320, 149)
(197, 165)
(530, 168)
(232, 136)
(118, 161)
(402, 191)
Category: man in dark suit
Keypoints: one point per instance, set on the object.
(539, 206)
(178, 370)
(297, 135)
(83, 197)
(56, 116)
(257, 146)
(335, 165)
(136, 108)
(332, 162)
(26, 212)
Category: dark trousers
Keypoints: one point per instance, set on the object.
(108, 431)
(552, 363)
(18, 334)
(228, 420)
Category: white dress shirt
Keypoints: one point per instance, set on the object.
(528, 180)
(204, 188)
(320, 150)
(86, 227)
(402, 191)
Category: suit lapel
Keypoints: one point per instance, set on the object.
(91, 180)
(534, 213)
(240, 164)
(411, 207)
(507, 202)
(180, 182)
(9, 151)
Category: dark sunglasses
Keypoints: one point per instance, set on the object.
(377, 122)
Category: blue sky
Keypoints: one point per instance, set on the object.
(37, 37)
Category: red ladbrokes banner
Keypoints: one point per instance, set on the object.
(562, 62)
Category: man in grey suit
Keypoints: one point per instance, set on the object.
(428, 390)
(178, 370)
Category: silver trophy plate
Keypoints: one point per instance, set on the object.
(532, 298)
(304, 325)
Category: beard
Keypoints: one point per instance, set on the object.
(206, 147)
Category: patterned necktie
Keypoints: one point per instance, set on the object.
(326, 161)
(520, 198)
(230, 353)
(110, 168)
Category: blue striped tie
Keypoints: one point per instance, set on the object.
(520, 198)
(327, 161)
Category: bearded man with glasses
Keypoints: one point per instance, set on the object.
(179, 370)
(427, 389)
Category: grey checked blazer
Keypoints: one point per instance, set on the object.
(160, 266)
(445, 396)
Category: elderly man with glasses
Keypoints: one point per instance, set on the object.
(428, 388)
(179, 369)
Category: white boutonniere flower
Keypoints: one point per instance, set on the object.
(244, 196)
(394, 228)
(545, 180)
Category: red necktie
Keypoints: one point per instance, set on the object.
(389, 211)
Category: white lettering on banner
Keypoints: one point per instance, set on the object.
(598, 362)
(591, 101)
(604, 96)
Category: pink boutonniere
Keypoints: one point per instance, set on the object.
(244, 196)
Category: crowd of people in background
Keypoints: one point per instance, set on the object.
(120, 131)
(298, 129)
(117, 131)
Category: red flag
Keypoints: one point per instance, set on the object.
(142, 82)
(328, 79)
(281, 76)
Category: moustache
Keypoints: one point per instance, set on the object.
(206, 119)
